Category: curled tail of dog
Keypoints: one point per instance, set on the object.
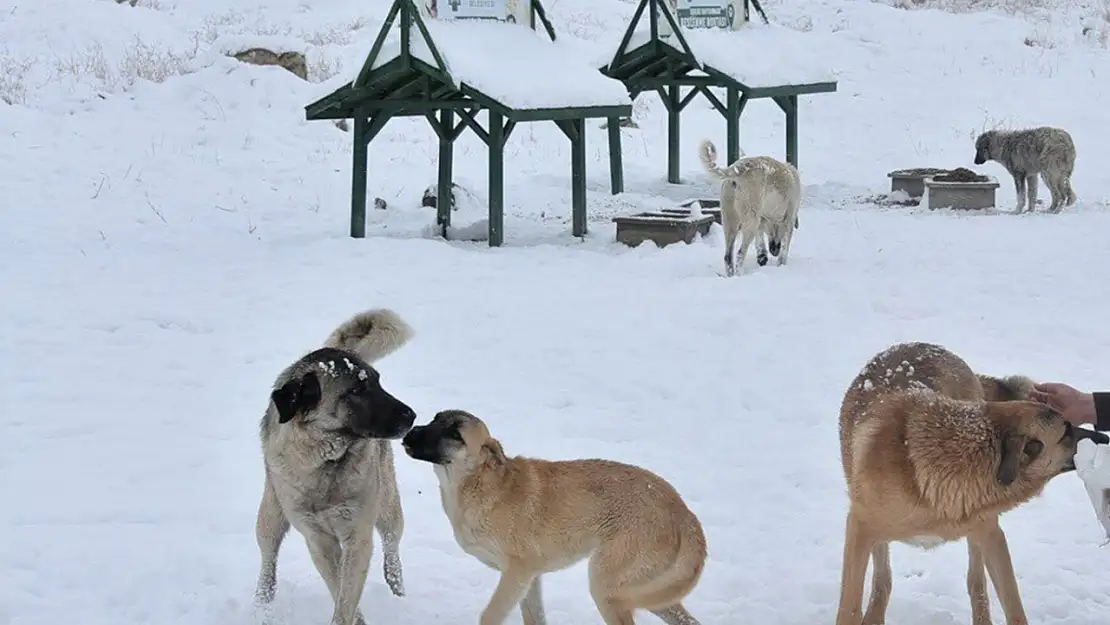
(707, 152)
(1009, 388)
(372, 334)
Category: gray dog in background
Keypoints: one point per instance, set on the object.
(329, 462)
(1047, 151)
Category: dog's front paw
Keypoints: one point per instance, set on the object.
(265, 591)
(393, 577)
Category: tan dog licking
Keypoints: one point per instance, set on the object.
(525, 517)
(933, 452)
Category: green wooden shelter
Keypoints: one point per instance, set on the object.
(644, 61)
(412, 75)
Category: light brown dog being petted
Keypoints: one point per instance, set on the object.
(525, 517)
(934, 452)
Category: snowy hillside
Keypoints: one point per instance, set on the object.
(174, 233)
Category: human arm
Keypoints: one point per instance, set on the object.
(1077, 407)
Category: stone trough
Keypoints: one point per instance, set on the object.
(961, 192)
(912, 181)
(958, 188)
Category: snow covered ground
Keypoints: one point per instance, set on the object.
(169, 245)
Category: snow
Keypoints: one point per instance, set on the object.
(521, 68)
(760, 55)
(756, 55)
(168, 246)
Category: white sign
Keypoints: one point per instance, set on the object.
(499, 10)
(695, 14)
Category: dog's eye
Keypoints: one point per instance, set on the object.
(453, 433)
(1034, 448)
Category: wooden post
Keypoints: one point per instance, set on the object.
(444, 188)
(496, 179)
(359, 172)
(365, 131)
(673, 105)
(616, 165)
(792, 130)
(578, 176)
(734, 109)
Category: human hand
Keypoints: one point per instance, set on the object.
(1074, 405)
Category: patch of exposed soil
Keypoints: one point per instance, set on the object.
(960, 174)
(921, 171)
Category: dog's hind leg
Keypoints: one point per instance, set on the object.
(531, 607)
(730, 222)
(747, 235)
(977, 585)
(730, 246)
(270, 529)
(391, 525)
(612, 612)
(857, 550)
(1058, 187)
(761, 247)
(881, 585)
(784, 251)
(609, 572)
(676, 615)
(996, 556)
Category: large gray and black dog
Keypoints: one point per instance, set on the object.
(1047, 151)
(326, 446)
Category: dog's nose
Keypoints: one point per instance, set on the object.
(408, 414)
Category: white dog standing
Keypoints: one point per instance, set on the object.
(759, 195)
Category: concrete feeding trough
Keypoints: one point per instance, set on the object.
(664, 228)
(961, 189)
(912, 181)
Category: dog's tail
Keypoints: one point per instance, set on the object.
(1009, 388)
(707, 152)
(372, 334)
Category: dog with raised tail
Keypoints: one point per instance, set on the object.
(328, 459)
(760, 196)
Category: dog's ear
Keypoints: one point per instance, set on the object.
(1013, 446)
(296, 395)
(493, 452)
